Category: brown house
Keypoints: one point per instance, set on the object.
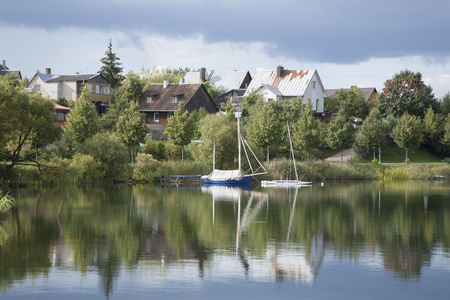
(160, 100)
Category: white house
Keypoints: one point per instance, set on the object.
(288, 84)
(70, 87)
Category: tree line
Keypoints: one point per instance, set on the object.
(406, 113)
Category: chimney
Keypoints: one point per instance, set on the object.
(165, 83)
(203, 74)
(280, 71)
(4, 63)
(48, 71)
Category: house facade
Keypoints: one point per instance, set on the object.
(160, 100)
(5, 70)
(61, 114)
(70, 87)
(288, 84)
(234, 83)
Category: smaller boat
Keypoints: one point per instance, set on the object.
(287, 182)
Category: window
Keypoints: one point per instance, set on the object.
(200, 100)
(156, 117)
(313, 85)
(149, 99)
(174, 99)
(97, 89)
(317, 104)
(61, 117)
(37, 88)
(90, 88)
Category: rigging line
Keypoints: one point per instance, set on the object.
(246, 155)
(254, 155)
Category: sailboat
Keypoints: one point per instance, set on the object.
(233, 177)
(287, 182)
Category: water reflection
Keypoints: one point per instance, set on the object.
(176, 236)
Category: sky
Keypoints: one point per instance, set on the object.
(349, 42)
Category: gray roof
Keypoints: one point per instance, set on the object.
(291, 83)
(73, 77)
(229, 80)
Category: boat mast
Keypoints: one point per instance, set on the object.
(292, 151)
(239, 139)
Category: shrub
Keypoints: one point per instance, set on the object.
(145, 167)
(156, 148)
(86, 167)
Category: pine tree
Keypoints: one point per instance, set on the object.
(306, 131)
(340, 133)
(111, 68)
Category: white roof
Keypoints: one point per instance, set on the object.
(230, 80)
(291, 83)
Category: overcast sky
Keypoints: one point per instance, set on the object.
(349, 42)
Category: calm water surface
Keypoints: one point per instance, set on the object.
(340, 241)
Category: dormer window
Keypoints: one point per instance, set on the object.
(149, 99)
(174, 99)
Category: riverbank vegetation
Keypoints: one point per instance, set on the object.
(406, 122)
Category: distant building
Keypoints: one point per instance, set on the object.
(288, 84)
(5, 70)
(370, 93)
(160, 100)
(70, 87)
(61, 113)
(234, 83)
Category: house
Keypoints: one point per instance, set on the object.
(234, 83)
(70, 87)
(5, 70)
(61, 113)
(160, 100)
(370, 93)
(288, 84)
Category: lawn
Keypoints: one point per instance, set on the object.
(394, 154)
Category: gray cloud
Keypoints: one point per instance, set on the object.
(346, 31)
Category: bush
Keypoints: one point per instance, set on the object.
(86, 167)
(145, 167)
(110, 153)
(156, 148)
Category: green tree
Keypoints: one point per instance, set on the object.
(25, 118)
(264, 127)
(180, 128)
(408, 133)
(445, 104)
(109, 152)
(220, 131)
(83, 121)
(197, 116)
(214, 91)
(433, 127)
(353, 101)
(372, 132)
(158, 75)
(111, 68)
(306, 131)
(131, 127)
(446, 136)
(406, 92)
(340, 133)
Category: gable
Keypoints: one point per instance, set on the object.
(162, 97)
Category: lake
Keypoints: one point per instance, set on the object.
(364, 240)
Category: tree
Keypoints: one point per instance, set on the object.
(445, 104)
(111, 68)
(306, 131)
(197, 116)
(220, 131)
(131, 127)
(264, 127)
(340, 133)
(372, 132)
(408, 133)
(109, 152)
(158, 75)
(353, 101)
(446, 136)
(25, 118)
(214, 91)
(180, 128)
(83, 121)
(433, 127)
(406, 92)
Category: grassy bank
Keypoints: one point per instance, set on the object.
(322, 170)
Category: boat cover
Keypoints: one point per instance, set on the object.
(224, 175)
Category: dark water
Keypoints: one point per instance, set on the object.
(339, 241)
